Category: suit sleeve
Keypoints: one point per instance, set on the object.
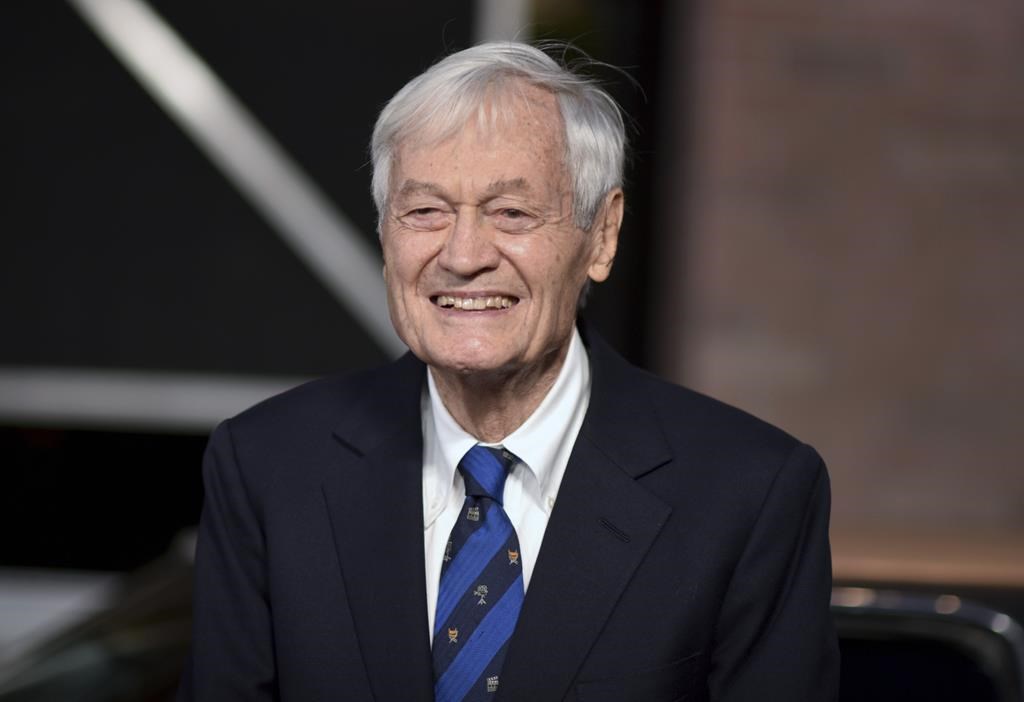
(232, 655)
(774, 637)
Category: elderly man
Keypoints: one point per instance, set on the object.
(510, 511)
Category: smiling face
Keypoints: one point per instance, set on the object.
(483, 262)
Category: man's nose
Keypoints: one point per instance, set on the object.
(469, 247)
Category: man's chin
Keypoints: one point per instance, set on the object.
(469, 363)
(477, 353)
(468, 367)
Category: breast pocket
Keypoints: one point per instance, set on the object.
(672, 682)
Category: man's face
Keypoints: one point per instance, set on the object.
(483, 262)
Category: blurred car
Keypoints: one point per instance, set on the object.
(130, 651)
(909, 641)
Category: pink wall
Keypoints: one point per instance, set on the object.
(854, 247)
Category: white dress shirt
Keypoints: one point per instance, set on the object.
(542, 443)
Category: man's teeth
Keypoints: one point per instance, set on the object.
(475, 303)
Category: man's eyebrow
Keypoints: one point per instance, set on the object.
(415, 187)
(499, 187)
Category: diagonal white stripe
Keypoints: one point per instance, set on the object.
(501, 20)
(322, 237)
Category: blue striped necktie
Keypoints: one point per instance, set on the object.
(481, 590)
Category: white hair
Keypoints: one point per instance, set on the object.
(441, 100)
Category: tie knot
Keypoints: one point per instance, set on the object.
(484, 470)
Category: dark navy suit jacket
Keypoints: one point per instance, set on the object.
(686, 557)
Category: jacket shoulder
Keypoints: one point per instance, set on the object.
(698, 419)
(705, 436)
(310, 413)
(689, 420)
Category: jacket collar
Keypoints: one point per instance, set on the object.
(375, 505)
(602, 525)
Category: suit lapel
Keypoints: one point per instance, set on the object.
(603, 524)
(375, 504)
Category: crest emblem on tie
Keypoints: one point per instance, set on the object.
(492, 683)
(513, 557)
(481, 592)
(473, 514)
(453, 635)
(448, 552)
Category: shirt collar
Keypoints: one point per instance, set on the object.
(539, 443)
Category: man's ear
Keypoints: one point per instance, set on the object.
(606, 235)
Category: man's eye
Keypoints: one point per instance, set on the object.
(513, 219)
(424, 217)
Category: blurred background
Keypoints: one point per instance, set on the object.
(824, 227)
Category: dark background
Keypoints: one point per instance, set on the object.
(124, 248)
(823, 227)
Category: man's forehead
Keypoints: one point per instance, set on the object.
(516, 110)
